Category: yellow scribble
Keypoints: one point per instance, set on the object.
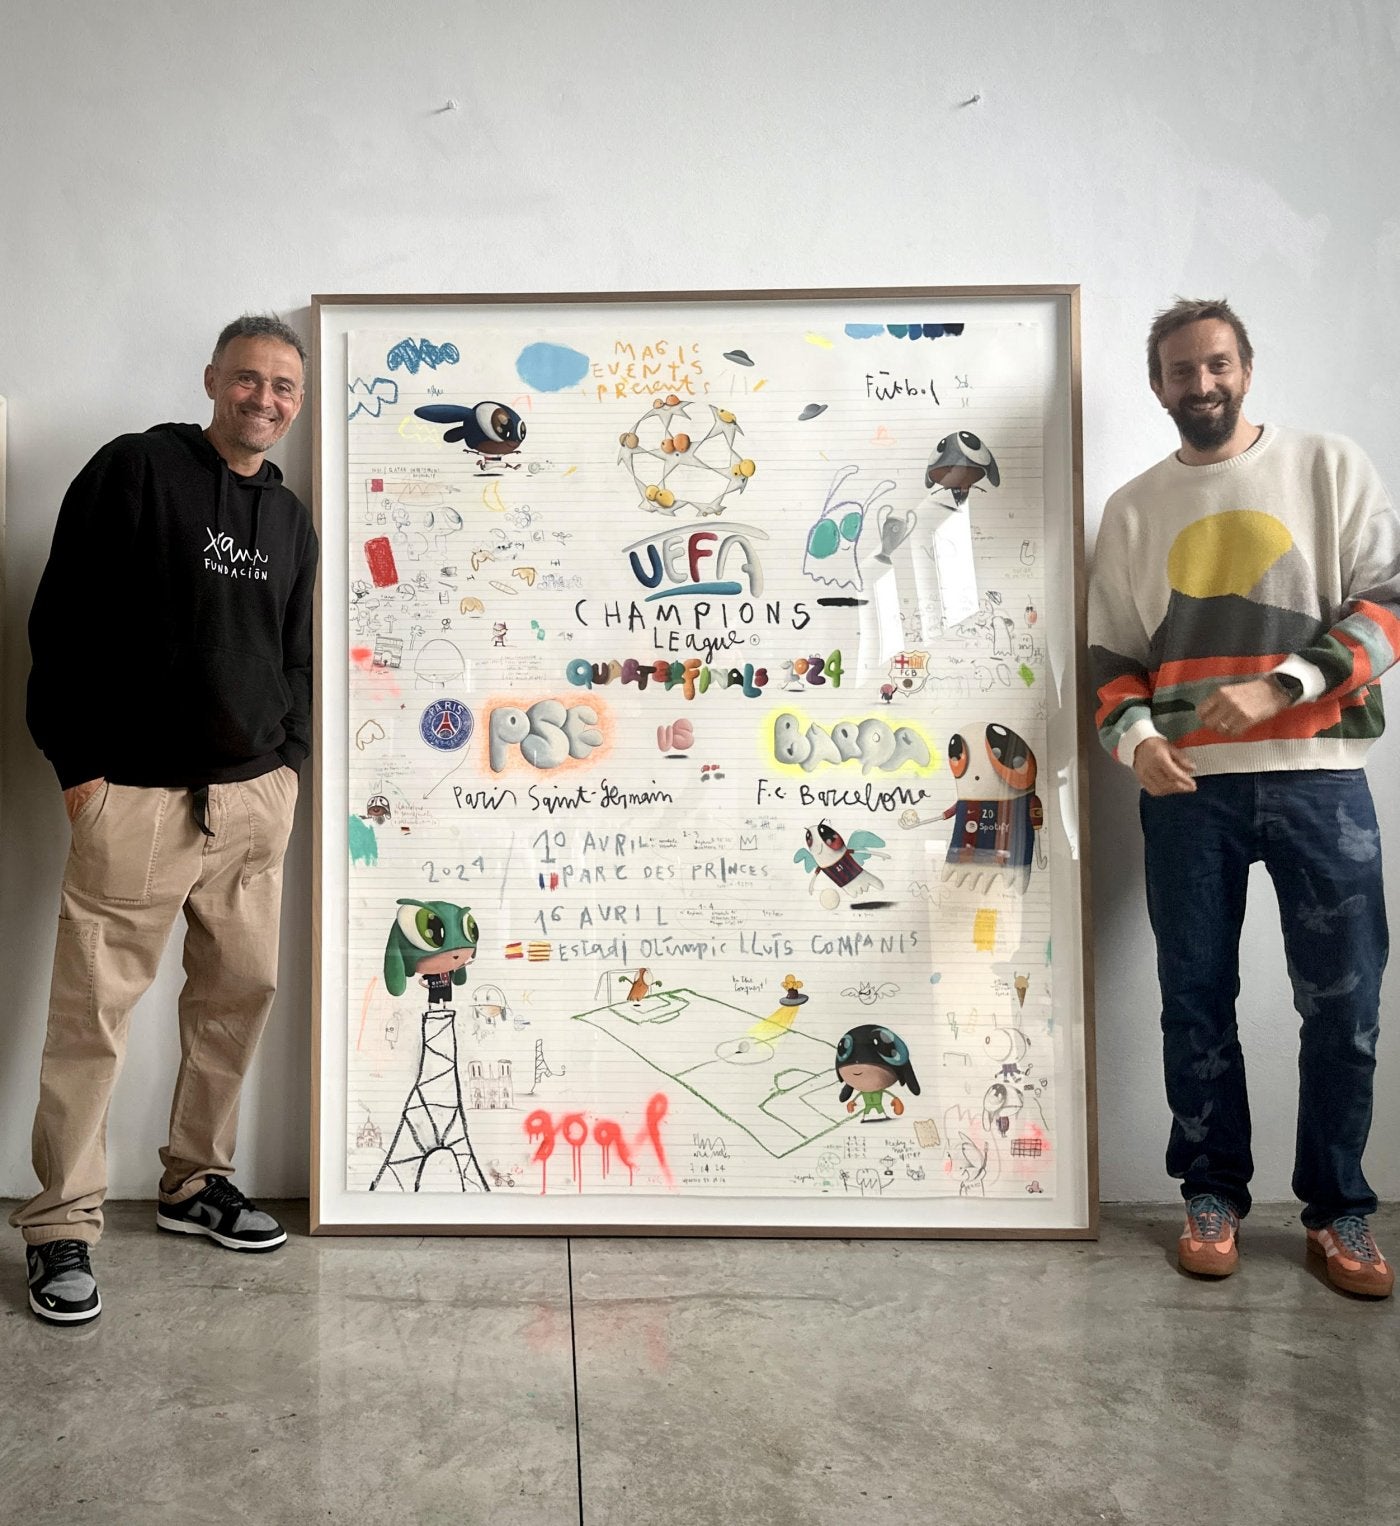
(820, 340)
(479, 556)
(525, 574)
(984, 930)
(470, 606)
(767, 1029)
(760, 384)
(420, 434)
(571, 471)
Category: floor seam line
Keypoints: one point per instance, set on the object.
(573, 1354)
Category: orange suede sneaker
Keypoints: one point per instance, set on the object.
(1354, 1260)
(1207, 1244)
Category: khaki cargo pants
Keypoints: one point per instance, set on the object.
(139, 858)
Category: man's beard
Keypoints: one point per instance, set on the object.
(1207, 431)
(246, 434)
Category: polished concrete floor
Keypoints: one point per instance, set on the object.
(702, 1383)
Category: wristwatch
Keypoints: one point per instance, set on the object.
(1291, 686)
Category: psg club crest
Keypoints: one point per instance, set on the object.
(446, 725)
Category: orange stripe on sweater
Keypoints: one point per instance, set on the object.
(1202, 669)
(1380, 616)
(1299, 723)
(1113, 693)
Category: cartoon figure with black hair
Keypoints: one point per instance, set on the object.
(491, 431)
(434, 940)
(958, 464)
(869, 1061)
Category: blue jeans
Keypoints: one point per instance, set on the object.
(1316, 833)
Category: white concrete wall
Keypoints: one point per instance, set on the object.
(164, 166)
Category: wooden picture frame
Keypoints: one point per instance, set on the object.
(682, 659)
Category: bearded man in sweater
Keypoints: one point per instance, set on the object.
(171, 691)
(1244, 601)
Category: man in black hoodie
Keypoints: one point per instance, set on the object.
(171, 691)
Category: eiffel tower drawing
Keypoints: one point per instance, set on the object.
(433, 1117)
(543, 1070)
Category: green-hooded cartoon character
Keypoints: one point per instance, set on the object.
(434, 940)
(869, 1061)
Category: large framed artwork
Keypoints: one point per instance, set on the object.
(699, 794)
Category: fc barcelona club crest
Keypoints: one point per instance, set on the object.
(446, 725)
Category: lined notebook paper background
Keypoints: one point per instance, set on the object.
(663, 967)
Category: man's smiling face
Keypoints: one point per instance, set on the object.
(257, 388)
(1203, 382)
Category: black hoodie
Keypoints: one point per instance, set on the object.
(171, 632)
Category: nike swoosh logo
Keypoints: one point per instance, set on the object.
(52, 1302)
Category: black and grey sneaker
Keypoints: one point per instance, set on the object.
(220, 1211)
(62, 1289)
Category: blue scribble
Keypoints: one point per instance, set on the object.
(904, 330)
(364, 845)
(551, 367)
(412, 353)
(370, 397)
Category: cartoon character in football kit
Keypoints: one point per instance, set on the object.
(842, 863)
(490, 431)
(997, 813)
(434, 940)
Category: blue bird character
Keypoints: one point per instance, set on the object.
(492, 430)
(869, 1061)
(843, 863)
(434, 940)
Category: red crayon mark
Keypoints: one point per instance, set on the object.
(380, 556)
(376, 484)
(575, 1132)
(542, 1131)
(539, 1125)
(362, 656)
(364, 1012)
(657, 1109)
(1032, 1145)
(608, 1136)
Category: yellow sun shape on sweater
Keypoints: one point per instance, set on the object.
(1226, 553)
